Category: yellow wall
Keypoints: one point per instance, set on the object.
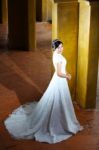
(65, 27)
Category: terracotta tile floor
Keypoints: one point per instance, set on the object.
(24, 76)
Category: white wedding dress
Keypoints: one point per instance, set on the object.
(50, 120)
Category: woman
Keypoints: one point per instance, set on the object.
(52, 119)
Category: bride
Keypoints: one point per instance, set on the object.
(52, 119)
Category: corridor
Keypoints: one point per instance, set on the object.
(24, 76)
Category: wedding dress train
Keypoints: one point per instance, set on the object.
(50, 120)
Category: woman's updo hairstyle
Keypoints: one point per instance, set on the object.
(56, 43)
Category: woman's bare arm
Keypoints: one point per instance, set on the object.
(60, 74)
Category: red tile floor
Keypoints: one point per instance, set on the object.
(24, 76)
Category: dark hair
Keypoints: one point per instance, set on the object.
(56, 43)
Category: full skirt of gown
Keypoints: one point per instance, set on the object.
(50, 120)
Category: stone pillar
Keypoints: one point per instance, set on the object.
(31, 24)
(65, 15)
(88, 47)
(4, 12)
(0, 11)
(46, 10)
(21, 24)
(49, 10)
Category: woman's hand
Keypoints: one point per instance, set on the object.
(60, 74)
(68, 76)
